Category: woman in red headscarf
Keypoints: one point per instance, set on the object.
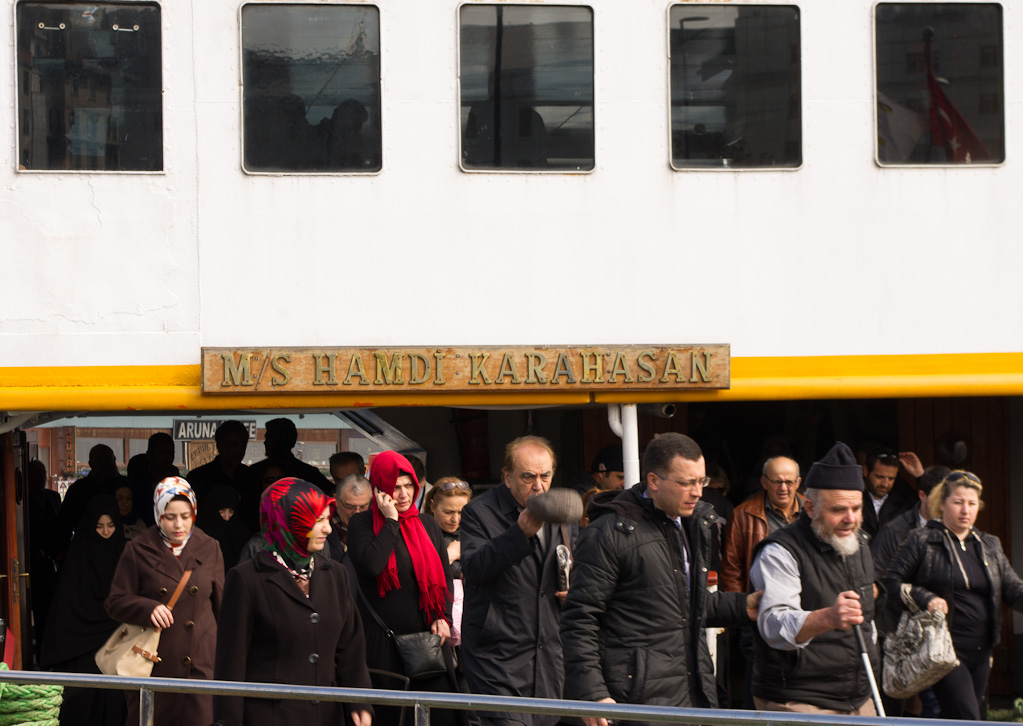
(290, 618)
(402, 564)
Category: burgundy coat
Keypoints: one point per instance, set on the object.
(272, 633)
(146, 577)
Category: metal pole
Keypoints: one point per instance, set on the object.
(147, 704)
(422, 714)
(630, 444)
(623, 422)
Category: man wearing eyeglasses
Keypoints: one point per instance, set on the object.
(353, 496)
(753, 520)
(886, 496)
(632, 625)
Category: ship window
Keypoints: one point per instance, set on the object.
(526, 85)
(311, 88)
(735, 86)
(90, 98)
(947, 113)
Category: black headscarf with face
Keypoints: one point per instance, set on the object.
(78, 622)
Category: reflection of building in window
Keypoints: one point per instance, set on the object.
(526, 85)
(90, 92)
(735, 86)
(311, 76)
(947, 112)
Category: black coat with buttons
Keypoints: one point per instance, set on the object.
(632, 626)
(146, 576)
(273, 633)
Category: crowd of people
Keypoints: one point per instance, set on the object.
(288, 577)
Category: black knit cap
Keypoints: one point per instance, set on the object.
(837, 470)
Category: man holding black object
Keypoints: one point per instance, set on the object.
(633, 621)
(511, 642)
(817, 576)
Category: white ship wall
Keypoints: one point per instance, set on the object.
(839, 257)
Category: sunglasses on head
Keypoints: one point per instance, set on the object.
(450, 486)
(960, 475)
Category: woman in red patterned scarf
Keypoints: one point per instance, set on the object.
(402, 564)
(291, 618)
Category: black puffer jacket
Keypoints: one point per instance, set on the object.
(925, 560)
(631, 627)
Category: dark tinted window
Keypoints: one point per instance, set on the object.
(89, 87)
(939, 83)
(735, 86)
(526, 87)
(311, 76)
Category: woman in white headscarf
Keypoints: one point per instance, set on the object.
(149, 571)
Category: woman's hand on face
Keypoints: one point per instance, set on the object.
(362, 718)
(386, 505)
(441, 628)
(937, 603)
(162, 617)
(454, 551)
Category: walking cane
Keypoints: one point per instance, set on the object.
(874, 691)
(870, 671)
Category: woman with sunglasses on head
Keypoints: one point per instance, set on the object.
(445, 503)
(147, 575)
(404, 579)
(961, 571)
(292, 617)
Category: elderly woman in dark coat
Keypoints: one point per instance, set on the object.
(151, 567)
(78, 623)
(292, 618)
(402, 563)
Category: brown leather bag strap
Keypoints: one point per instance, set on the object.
(178, 589)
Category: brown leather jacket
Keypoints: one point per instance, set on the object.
(743, 532)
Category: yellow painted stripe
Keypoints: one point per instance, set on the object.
(169, 388)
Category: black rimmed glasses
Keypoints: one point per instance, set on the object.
(702, 481)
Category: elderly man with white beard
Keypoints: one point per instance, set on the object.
(817, 576)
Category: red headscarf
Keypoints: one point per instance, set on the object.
(426, 564)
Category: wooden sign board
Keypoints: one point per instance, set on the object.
(490, 369)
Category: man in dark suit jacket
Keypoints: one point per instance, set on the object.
(511, 621)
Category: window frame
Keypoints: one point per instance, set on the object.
(241, 88)
(163, 91)
(802, 95)
(873, 65)
(458, 83)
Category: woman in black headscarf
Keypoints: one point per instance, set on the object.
(221, 520)
(78, 623)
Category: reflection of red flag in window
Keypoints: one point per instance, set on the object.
(950, 130)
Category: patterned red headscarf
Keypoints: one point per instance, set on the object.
(288, 509)
(426, 564)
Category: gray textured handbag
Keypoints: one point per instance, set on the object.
(919, 653)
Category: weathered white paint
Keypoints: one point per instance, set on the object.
(839, 257)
